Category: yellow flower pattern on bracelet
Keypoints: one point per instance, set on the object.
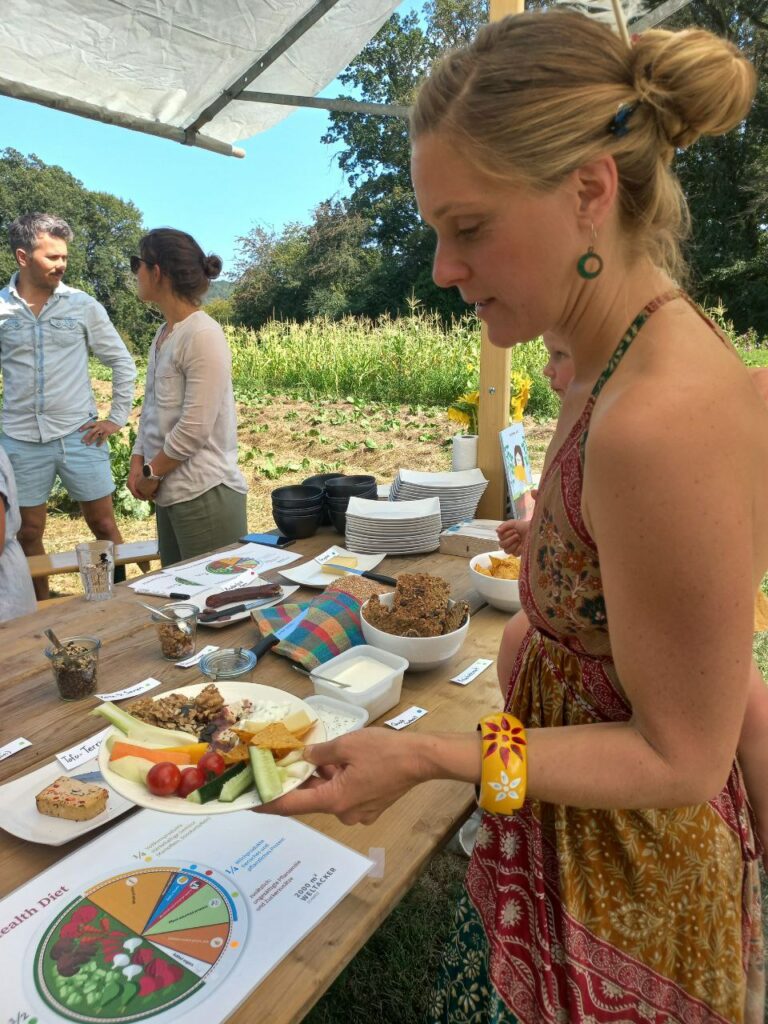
(504, 764)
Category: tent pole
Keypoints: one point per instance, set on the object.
(495, 363)
(137, 124)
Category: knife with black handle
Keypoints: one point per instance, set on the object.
(376, 576)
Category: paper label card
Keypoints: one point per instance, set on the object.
(189, 662)
(406, 718)
(472, 671)
(83, 752)
(130, 691)
(13, 747)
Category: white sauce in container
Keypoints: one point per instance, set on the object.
(361, 674)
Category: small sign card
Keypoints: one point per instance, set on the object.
(189, 662)
(406, 718)
(130, 691)
(517, 468)
(472, 671)
(83, 752)
(13, 747)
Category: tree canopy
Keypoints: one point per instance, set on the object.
(106, 229)
(385, 261)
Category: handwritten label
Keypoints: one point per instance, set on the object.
(83, 752)
(472, 671)
(407, 717)
(131, 691)
(189, 662)
(13, 747)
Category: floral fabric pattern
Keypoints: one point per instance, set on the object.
(591, 916)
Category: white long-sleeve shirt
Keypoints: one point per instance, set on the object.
(189, 410)
(44, 359)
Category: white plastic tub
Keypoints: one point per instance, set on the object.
(338, 716)
(378, 696)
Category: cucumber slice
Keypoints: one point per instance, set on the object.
(212, 788)
(268, 781)
(236, 786)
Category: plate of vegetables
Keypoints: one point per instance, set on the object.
(247, 752)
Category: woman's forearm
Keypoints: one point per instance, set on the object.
(606, 765)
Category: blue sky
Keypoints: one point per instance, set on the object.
(286, 172)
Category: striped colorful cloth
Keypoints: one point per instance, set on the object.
(331, 626)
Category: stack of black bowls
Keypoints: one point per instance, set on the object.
(320, 480)
(298, 511)
(340, 489)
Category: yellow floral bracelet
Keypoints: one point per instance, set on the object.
(504, 764)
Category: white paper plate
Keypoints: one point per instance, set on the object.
(461, 478)
(361, 508)
(220, 623)
(20, 817)
(309, 574)
(230, 691)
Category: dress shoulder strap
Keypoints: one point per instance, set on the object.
(631, 333)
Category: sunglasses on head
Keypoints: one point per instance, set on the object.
(136, 261)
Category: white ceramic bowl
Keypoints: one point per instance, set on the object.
(422, 652)
(502, 594)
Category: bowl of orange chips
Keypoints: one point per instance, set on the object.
(495, 576)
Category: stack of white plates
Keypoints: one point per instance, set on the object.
(399, 528)
(459, 493)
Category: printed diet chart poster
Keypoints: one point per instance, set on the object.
(156, 931)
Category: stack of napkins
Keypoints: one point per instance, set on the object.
(459, 493)
(398, 528)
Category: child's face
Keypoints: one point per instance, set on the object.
(559, 367)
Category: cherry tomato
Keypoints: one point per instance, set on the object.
(163, 779)
(191, 779)
(212, 763)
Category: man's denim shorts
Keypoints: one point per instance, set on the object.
(84, 469)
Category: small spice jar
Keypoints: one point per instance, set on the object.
(74, 669)
(176, 628)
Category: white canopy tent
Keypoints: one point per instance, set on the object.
(181, 69)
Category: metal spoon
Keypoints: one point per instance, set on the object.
(184, 627)
(326, 679)
(58, 645)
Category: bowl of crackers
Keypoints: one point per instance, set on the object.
(418, 622)
(496, 577)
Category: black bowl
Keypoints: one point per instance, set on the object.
(297, 497)
(339, 521)
(343, 501)
(300, 510)
(351, 485)
(297, 526)
(320, 479)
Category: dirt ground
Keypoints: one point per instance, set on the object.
(282, 441)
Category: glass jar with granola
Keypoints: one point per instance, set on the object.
(176, 629)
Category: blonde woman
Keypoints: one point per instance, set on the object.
(615, 877)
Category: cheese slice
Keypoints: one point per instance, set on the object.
(348, 561)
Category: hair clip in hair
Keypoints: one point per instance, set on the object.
(618, 125)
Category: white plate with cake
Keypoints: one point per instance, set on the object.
(19, 812)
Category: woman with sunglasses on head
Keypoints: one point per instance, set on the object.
(615, 873)
(185, 455)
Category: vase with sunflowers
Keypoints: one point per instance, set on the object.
(466, 409)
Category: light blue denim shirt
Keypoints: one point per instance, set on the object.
(44, 361)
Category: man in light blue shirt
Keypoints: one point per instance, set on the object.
(50, 422)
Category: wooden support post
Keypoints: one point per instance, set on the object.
(494, 379)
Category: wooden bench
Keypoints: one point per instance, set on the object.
(141, 552)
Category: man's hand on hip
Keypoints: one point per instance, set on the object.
(97, 431)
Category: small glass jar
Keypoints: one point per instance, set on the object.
(177, 630)
(228, 663)
(74, 669)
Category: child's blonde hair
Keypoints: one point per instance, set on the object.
(535, 96)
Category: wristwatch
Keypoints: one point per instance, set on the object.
(149, 473)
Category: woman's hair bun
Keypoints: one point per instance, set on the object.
(698, 83)
(212, 266)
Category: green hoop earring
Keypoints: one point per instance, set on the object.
(582, 266)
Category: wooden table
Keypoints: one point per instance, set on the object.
(410, 832)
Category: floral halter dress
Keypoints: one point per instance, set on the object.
(587, 916)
